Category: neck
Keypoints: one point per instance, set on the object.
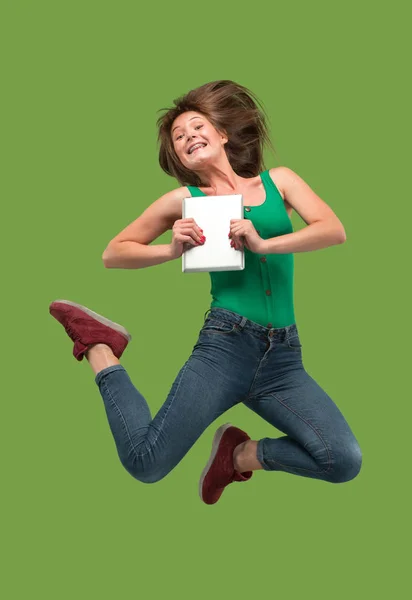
(220, 176)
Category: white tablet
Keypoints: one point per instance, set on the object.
(213, 214)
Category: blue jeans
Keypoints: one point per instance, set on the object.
(234, 360)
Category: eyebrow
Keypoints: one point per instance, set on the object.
(177, 126)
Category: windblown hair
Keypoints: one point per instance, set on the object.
(233, 110)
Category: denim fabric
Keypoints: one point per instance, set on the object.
(234, 360)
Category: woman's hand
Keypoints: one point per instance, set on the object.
(243, 233)
(186, 233)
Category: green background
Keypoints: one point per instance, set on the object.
(81, 86)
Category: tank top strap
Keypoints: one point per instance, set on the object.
(195, 191)
(270, 185)
(266, 178)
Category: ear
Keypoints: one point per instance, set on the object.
(224, 137)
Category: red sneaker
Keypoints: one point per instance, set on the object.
(86, 328)
(219, 471)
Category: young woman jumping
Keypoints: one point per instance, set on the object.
(248, 349)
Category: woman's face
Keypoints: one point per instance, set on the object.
(195, 140)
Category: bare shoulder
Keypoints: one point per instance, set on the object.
(156, 219)
(299, 196)
(285, 179)
(171, 202)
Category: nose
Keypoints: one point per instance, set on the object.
(190, 136)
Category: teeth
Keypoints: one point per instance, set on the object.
(195, 147)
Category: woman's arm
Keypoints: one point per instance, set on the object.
(132, 255)
(130, 249)
(323, 226)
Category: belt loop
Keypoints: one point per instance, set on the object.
(208, 310)
(242, 323)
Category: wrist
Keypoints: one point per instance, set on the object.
(169, 252)
(265, 247)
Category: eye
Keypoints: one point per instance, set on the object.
(179, 136)
(198, 126)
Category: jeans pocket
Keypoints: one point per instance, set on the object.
(215, 326)
(294, 342)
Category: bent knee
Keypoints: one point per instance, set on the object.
(347, 465)
(150, 477)
(142, 470)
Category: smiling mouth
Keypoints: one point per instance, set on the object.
(196, 149)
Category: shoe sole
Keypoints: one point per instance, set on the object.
(97, 317)
(215, 445)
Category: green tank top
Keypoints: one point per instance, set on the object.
(263, 291)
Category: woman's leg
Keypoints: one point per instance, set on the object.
(150, 448)
(318, 441)
(213, 379)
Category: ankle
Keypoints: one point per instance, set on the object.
(245, 457)
(238, 456)
(98, 349)
(100, 357)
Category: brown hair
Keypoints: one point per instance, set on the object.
(232, 109)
